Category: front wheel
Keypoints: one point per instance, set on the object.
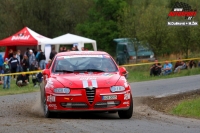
(47, 113)
(127, 114)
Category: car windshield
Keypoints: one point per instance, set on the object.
(84, 63)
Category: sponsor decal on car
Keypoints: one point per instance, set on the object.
(49, 83)
(127, 96)
(54, 106)
(127, 102)
(125, 82)
(90, 83)
(75, 56)
(67, 98)
(108, 74)
(88, 78)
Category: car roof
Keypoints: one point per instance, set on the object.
(82, 53)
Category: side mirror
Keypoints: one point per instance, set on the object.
(46, 72)
(123, 71)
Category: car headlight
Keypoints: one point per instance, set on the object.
(117, 88)
(62, 90)
(151, 56)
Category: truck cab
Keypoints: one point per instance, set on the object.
(128, 50)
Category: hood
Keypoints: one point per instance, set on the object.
(86, 80)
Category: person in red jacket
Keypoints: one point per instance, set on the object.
(48, 64)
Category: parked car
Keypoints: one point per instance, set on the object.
(126, 51)
(86, 81)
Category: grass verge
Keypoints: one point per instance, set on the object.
(14, 89)
(188, 108)
(142, 73)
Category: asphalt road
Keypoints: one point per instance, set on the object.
(164, 87)
(22, 113)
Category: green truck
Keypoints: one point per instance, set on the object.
(132, 50)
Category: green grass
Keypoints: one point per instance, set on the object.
(142, 73)
(188, 108)
(14, 89)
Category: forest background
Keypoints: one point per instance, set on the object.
(104, 20)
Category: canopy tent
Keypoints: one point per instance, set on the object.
(70, 39)
(24, 37)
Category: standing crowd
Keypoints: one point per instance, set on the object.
(30, 60)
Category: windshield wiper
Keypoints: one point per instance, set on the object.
(89, 70)
(68, 71)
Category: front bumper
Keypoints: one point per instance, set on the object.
(79, 100)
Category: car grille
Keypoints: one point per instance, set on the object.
(90, 94)
(106, 104)
(74, 105)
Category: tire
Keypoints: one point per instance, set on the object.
(127, 114)
(47, 113)
(41, 95)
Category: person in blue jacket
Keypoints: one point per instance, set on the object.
(167, 69)
(1, 62)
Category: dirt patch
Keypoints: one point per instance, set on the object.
(165, 104)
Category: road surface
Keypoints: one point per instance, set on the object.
(22, 113)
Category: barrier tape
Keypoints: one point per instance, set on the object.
(29, 72)
(33, 72)
(140, 64)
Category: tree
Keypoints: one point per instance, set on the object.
(102, 23)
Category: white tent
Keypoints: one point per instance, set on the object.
(70, 39)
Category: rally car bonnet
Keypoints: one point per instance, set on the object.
(86, 80)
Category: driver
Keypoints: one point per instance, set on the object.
(95, 63)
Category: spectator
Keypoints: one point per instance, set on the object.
(1, 62)
(37, 55)
(19, 57)
(22, 80)
(155, 69)
(76, 46)
(52, 54)
(1, 77)
(32, 60)
(34, 51)
(167, 69)
(61, 49)
(14, 63)
(6, 70)
(25, 65)
(82, 49)
(27, 53)
(192, 64)
(42, 59)
(37, 78)
(10, 55)
(178, 63)
(48, 64)
(64, 49)
(180, 67)
(73, 48)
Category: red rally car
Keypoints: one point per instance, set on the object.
(86, 81)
